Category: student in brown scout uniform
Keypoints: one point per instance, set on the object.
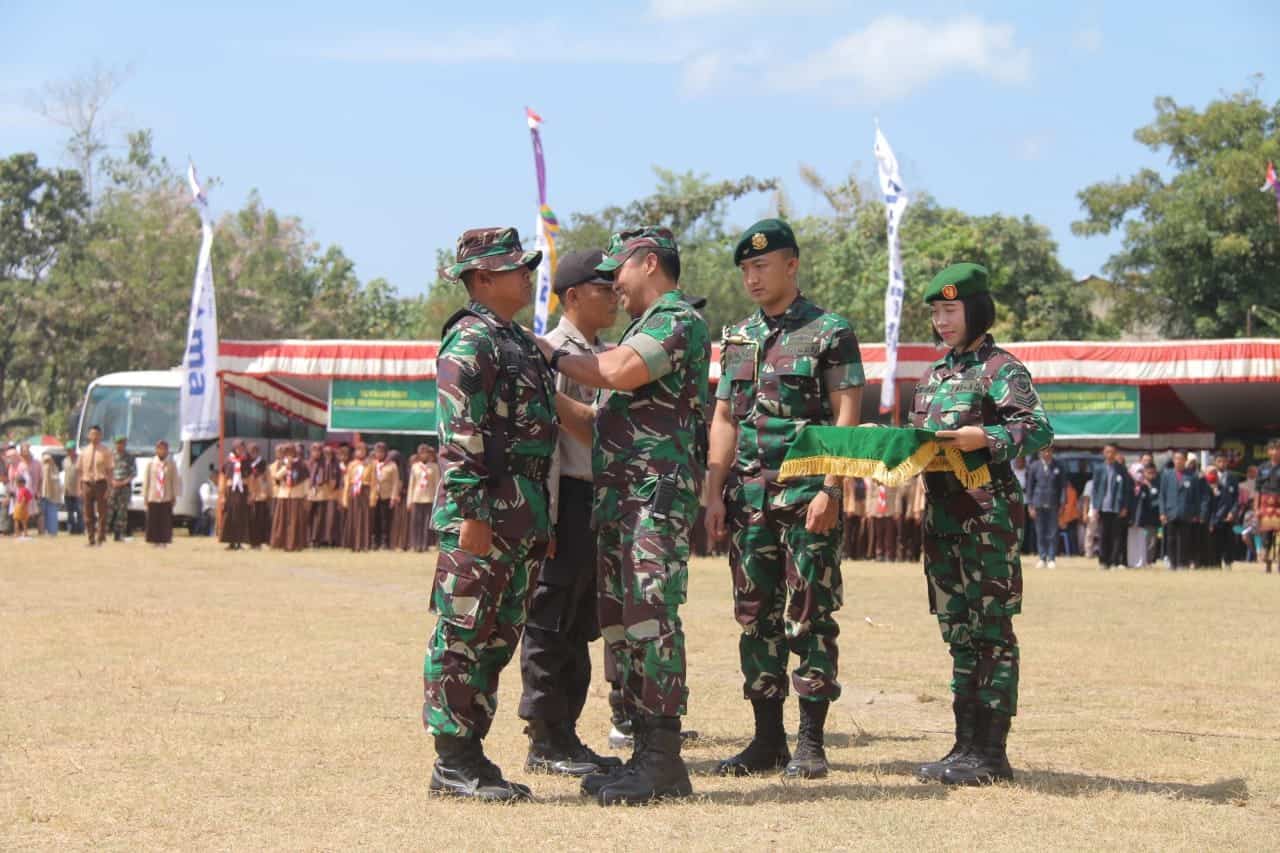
(233, 500)
(160, 488)
(259, 499)
(326, 486)
(95, 466)
(276, 474)
(357, 499)
(399, 507)
(386, 486)
(295, 487)
(424, 475)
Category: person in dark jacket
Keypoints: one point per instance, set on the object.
(1146, 513)
(1113, 499)
(1046, 490)
(1184, 502)
(1224, 509)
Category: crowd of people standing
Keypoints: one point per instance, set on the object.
(326, 496)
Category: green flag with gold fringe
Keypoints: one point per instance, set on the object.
(888, 455)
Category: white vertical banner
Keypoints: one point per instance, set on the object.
(895, 204)
(542, 292)
(200, 406)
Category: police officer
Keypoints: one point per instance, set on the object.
(498, 432)
(555, 658)
(981, 400)
(647, 463)
(789, 364)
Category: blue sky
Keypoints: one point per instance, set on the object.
(389, 128)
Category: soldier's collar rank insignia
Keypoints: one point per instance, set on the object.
(759, 241)
(949, 292)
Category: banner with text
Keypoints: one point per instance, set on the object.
(382, 406)
(1091, 411)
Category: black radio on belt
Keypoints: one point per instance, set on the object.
(664, 497)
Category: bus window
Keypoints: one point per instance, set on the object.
(143, 415)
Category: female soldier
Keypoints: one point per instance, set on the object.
(981, 401)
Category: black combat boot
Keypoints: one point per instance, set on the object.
(462, 770)
(582, 753)
(592, 785)
(810, 761)
(620, 728)
(988, 762)
(658, 771)
(768, 748)
(966, 713)
(550, 753)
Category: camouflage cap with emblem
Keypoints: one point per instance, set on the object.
(956, 282)
(767, 235)
(625, 243)
(491, 249)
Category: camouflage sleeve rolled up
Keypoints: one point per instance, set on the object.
(661, 342)
(842, 359)
(466, 372)
(1024, 427)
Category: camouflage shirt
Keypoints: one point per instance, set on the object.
(124, 467)
(991, 389)
(469, 403)
(654, 429)
(777, 374)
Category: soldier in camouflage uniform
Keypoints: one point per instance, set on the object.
(980, 399)
(647, 464)
(787, 365)
(498, 430)
(123, 469)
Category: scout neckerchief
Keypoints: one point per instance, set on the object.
(882, 501)
(426, 475)
(160, 476)
(357, 480)
(237, 479)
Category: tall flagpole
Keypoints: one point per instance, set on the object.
(200, 406)
(895, 203)
(544, 301)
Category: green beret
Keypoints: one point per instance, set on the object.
(71, 445)
(767, 235)
(120, 438)
(956, 282)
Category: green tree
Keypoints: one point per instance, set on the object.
(42, 215)
(1201, 244)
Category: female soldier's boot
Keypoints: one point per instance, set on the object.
(658, 771)
(988, 762)
(768, 748)
(810, 761)
(966, 713)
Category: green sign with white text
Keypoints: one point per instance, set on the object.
(1091, 411)
(382, 406)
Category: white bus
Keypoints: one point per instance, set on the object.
(142, 405)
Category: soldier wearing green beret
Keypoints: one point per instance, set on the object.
(788, 365)
(498, 430)
(980, 399)
(123, 469)
(647, 460)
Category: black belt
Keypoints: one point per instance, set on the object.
(533, 467)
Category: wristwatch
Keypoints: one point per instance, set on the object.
(835, 491)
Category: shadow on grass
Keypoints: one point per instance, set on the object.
(1063, 784)
(833, 740)
(805, 792)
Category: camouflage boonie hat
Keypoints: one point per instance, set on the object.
(492, 249)
(624, 243)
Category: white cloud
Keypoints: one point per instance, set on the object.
(1033, 147)
(675, 9)
(701, 74)
(894, 56)
(1088, 40)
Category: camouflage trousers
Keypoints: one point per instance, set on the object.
(482, 603)
(643, 580)
(786, 589)
(118, 510)
(974, 573)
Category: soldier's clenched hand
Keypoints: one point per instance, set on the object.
(715, 518)
(476, 537)
(822, 515)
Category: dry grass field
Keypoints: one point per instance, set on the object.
(197, 699)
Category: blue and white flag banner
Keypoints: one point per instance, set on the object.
(895, 204)
(200, 404)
